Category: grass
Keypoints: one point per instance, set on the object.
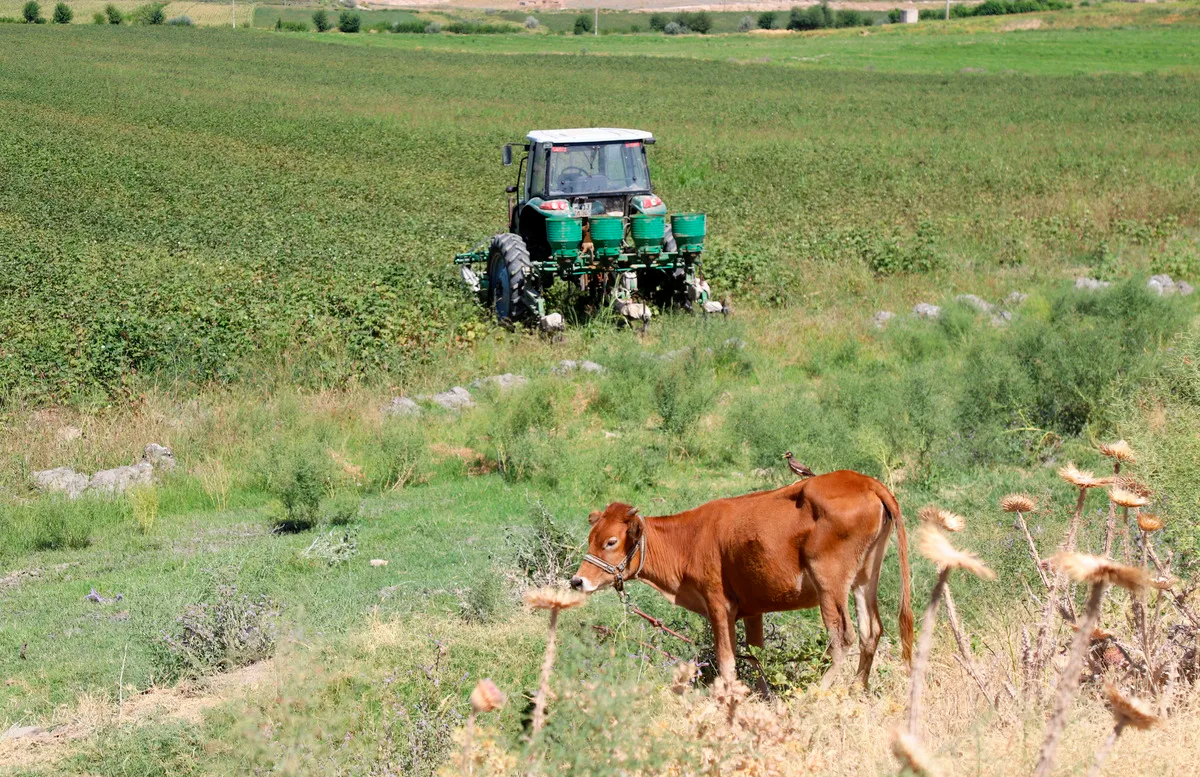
(235, 243)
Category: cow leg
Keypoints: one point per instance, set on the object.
(724, 627)
(866, 604)
(754, 638)
(837, 622)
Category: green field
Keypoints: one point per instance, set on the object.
(238, 243)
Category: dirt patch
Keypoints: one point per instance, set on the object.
(29, 746)
(15, 579)
(477, 463)
(1021, 24)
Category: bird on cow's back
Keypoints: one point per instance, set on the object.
(802, 471)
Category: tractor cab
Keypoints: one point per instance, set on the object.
(582, 211)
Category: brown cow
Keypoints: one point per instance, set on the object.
(804, 545)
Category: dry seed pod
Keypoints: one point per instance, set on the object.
(1119, 450)
(935, 547)
(936, 516)
(1081, 478)
(487, 697)
(1134, 485)
(553, 598)
(1018, 503)
(912, 754)
(1120, 496)
(1096, 569)
(1149, 522)
(1130, 711)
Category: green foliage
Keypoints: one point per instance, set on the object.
(894, 16)
(658, 21)
(544, 553)
(54, 523)
(486, 600)
(341, 509)
(151, 13)
(99, 18)
(143, 502)
(583, 24)
(63, 14)
(320, 19)
(113, 14)
(819, 17)
(332, 549)
(298, 475)
(767, 20)
(348, 21)
(476, 28)
(412, 27)
(228, 630)
(31, 12)
(401, 455)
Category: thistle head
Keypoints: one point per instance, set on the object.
(1018, 503)
(487, 697)
(943, 519)
(935, 547)
(1123, 498)
(1081, 478)
(549, 598)
(1131, 711)
(1118, 451)
(1149, 522)
(1084, 568)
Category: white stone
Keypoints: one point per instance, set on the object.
(552, 322)
(119, 479)
(978, 303)
(454, 399)
(1184, 288)
(881, 318)
(61, 480)
(1016, 298)
(402, 406)
(158, 456)
(1161, 285)
(712, 306)
(925, 310)
(1091, 284)
(503, 382)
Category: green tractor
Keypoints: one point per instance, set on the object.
(583, 211)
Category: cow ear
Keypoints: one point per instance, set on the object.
(633, 531)
(633, 511)
(594, 516)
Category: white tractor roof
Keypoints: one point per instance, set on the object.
(591, 135)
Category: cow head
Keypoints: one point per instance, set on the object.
(614, 543)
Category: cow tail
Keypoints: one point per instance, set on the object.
(906, 613)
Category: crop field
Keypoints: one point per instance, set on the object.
(237, 244)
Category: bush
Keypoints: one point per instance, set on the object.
(113, 14)
(341, 509)
(231, 631)
(583, 24)
(99, 18)
(746, 24)
(675, 28)
(143, 501)
(332, 549)
(700, 21)
(852, 18)
(544, 552)
(150, 14)
(349, 21)
(401, 458)
(32, 13)
(531, 23)
(433, 28)
(816, 17)
(321, 20)
(186, 21)
(410, 27)
(767, 20)
(476, 28)
(658, 21)
(294, 27)
(63, 14)
(485, 601)
(894, 16)
(298, 477)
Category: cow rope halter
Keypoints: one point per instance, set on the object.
(618, 571)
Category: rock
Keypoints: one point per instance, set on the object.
(552, 323)
(1016, 298)
(402, 406)
(503, 382)
(736, 342)
(94, 596)
(62, 480)
(588, 366)
(881, 318)
(1002, 318)
(120, 479)
(379, 562)
(68, 433)
(454, 399)
(983, 306)
(567, 366)
(712, 306)
(1184, 288)
(1091, 284)
(158, 456)
(17, 732)
(1161, 285)
(925, 310)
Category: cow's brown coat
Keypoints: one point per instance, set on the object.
(805, 545)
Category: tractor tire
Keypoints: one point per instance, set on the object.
(509, 270)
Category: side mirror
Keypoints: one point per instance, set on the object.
(510, 189)
(506, 155)
(649, 141)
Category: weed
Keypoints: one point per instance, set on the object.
(341, 509)
(332, 549)
(231, 630)
(215, 479)
(485, 601)
(143, 501)
(543, 552)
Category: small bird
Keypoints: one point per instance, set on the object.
(802, 471)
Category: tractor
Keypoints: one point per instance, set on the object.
(583, 211)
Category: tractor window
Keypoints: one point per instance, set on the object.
(537, 172)
(603, 168)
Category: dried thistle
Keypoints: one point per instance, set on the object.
(1129, 710)
(935, 547)
(912, 754)
(1084, 568)
(1149, 522)
(555, 599)
(487, 697)
(1119, 451)
(936, 516)
(1119, 496)
(1082, 478)
(685, 673)
(1018, 503)
(1134, 485)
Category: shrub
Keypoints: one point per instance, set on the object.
(675, 28)
(410, 27)
(658, 21)
(583, 24)
(298, 477)
(746, 24)
(341, 509)
(332, 549)
(852, 18)
(231, 631)
(349, 21)
(59, 525)
(484, 601)
(476, 28)
(401, 458)
(320, 20)
(186, 21)
(295, 26)
(143, 501)
(151, 14)
(700, 21)
(99, 18)
(113, 14)
(767, 20)
(531, 23)
(816, 17)
(32, 13)
(543, 551)
(63, 14)
(433, 28)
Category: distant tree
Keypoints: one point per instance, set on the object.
(349, 22)
(113, 14)
(767, 20)
(63, 14)
(32, 13)
(583, 24)
(746, 24)
(658, 21)
(700, 22)
(894, 16)
(99, 18)
(321, 20)
(531, 23)
(154, 15)
(675, 28)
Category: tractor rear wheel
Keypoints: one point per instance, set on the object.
(509, 270)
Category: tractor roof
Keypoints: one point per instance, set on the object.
(591, 135)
